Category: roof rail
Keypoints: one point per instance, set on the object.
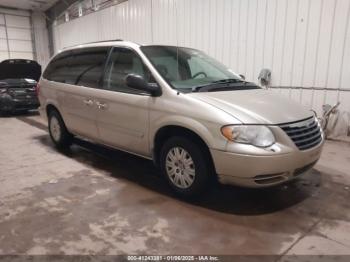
(95, 42)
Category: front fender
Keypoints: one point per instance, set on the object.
(208, 131)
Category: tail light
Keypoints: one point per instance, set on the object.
(37, 89)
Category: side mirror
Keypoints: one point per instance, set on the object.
(242, 76)
(139, 83)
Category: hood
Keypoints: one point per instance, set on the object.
(256, 106)
(19, 68)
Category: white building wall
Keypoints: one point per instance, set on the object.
(15, 34)
(306, 43)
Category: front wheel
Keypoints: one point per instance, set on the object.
(58, 131)
(185, 166)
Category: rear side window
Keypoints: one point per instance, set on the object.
(82, 67)
(58, 69)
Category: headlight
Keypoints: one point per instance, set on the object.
(260, 136)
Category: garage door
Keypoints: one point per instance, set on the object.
(15, 36)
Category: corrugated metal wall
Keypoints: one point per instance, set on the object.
(306, 43)
(23, 34)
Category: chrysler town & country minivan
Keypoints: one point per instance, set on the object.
(194, 117)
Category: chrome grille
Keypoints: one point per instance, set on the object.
(305, 134)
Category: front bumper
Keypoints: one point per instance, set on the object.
(9, 104)
(263, 171)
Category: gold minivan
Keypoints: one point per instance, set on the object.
(194, 117)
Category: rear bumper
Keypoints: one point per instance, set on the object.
(263, 171)
(10, 104)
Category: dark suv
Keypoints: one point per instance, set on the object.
(18, 79)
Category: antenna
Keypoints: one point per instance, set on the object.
(177, 40)
(176, 25)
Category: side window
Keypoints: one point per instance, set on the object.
(78, 67)
(87, 66)
(122, 62)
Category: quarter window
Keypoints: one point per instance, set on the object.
(82, 67)
(58, 69)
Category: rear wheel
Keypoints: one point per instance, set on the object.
(185, 166)
(58, 131)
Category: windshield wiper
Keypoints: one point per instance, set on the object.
(219, 82)
(229, 80)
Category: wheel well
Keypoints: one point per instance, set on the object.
(166, 132)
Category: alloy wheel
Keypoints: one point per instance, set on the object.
(180, 167)
(55, 129)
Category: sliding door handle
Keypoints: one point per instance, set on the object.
(88, 102)
(101, 105)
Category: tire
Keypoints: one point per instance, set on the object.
(58, 131)
(186, 179)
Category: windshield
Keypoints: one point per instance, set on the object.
(186, 69)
